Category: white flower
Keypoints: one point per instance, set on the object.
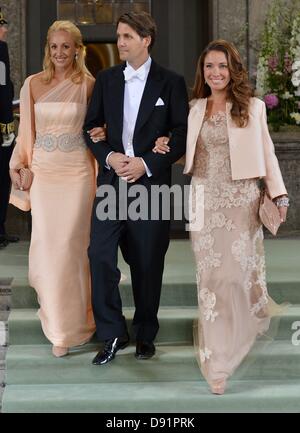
(287, 95)
(297, 92)
(261, 77)
(296, 65)
(296, 77)
(296, 117)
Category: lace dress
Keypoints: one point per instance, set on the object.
(229, 254)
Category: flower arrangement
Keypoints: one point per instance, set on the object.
(278, 71)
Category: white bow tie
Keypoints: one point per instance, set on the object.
(130, 73)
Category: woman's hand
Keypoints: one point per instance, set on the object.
(15, 178)
(98, 134)
(283, 213)
(161, 145)
(26, 176)
(282, 202)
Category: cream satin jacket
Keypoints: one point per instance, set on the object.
(252, 152)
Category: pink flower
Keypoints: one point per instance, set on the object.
(271, 101)
(273, 62)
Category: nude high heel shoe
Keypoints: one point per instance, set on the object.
(58, 352)
(218, 386)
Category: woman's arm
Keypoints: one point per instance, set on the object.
(161, 146)
(22, 153)
(273, 178)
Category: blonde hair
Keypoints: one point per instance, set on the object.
(79, 67)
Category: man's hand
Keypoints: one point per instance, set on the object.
(118, 161)
(133, 170)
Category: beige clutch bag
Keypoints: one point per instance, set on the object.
(26, 176)
(268, 213)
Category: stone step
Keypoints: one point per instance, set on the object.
(176, 325)
(179, 283)
(253, 396)
(35, 365)
(173, 294)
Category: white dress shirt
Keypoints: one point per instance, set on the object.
(135, 81)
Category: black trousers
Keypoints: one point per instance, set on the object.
(144, 244)
(5, 184)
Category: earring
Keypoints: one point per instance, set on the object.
(76, 56)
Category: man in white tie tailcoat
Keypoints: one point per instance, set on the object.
(138, 102)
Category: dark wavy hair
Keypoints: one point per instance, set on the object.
(142, 23)
(239, 88)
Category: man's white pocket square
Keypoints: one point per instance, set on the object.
(159, 102)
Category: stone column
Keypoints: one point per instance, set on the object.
(229, 22)
(15, 13)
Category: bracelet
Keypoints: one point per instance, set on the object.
(282, 202)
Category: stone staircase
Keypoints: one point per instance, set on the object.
(5, 301)
(268, 380)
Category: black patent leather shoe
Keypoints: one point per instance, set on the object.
(144, 349)
(110, 349)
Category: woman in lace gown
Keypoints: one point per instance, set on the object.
(51, 144)
(228, 149)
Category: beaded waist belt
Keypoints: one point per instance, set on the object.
(64, 142)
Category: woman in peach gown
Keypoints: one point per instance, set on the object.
(228, 149)
(51, 144)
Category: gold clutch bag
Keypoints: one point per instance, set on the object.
(26, 176)
(268, 213)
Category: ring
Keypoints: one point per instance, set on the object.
(21, 188)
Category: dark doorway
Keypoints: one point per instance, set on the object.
(101, 55)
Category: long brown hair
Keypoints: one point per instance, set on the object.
(79, 67)
(239, 89)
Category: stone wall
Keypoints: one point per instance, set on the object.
(241, 21)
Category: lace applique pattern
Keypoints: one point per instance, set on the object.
(205, 354)
(253, 264)
(207, 303)
(213, 168)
